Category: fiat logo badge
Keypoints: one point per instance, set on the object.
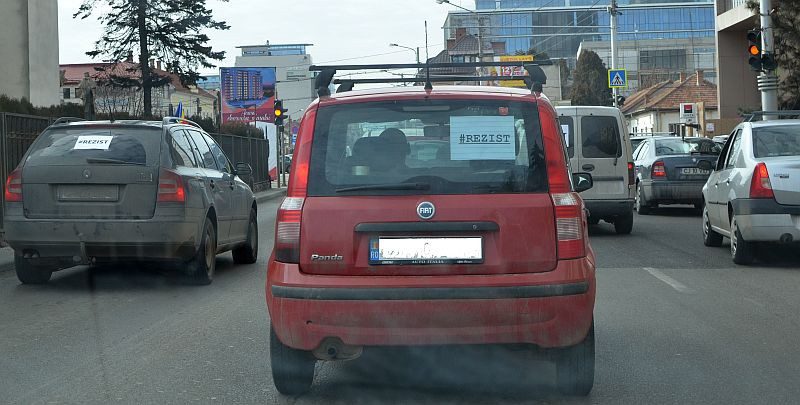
(426, 210)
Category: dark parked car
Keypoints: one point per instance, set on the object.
(668, 172)
(88, 192)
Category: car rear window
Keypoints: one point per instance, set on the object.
(600, 137)
(445, 146)
(680, 146)
(781, 140)
(80, 145)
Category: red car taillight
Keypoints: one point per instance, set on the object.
(570, 226)
(659, 170)
(631, 173)
(760, 186)
(170, 187)
(13, 191)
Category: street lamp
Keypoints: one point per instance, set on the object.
(480, 25)
(415, 50)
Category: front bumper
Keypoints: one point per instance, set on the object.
(674, 192)
(764, 220)
(552, 309)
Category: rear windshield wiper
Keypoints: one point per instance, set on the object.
(393, 186)
(113, 161)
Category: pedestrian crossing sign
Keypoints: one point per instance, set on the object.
(617, 78)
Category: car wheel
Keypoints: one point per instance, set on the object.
(292, 369)
(742, 251)
(640, 203)
(710, 237)
(575, 367)
(623, 224)
(201, 268)
(248, 252)
(28, 273)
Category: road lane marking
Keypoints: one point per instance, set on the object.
(677, 285)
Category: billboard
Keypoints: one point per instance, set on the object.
(248, 94)
(512, 70)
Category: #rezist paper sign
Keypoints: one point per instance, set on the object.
(482, 138)
(101, 142)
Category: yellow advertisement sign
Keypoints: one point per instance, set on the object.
(512, 70)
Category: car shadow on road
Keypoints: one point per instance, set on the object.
(129, 276)
(675, 211)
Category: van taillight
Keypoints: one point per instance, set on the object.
(631, 173)
(13, 191)
(287, 230)
(170, 187)
(760, 186)
(659, 170)
(570, 226)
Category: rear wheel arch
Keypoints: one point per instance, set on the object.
(212, 216)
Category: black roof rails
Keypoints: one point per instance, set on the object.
(67, 120)
(751, 116)
(179, 120)
(535, 79)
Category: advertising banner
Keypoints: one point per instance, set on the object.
(248, 94)
(513, 70)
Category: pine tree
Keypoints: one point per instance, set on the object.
(166, 30)
(590, 85)
(786, 33)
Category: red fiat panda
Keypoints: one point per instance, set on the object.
(430, 217)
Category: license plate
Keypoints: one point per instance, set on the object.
(83, 192)
(398, 250)
(694, 171)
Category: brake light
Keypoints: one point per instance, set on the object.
(170, 187)
(760, 186)
(570, 226)
(298, 181)
(287, 230)
(631, 173)
(13, 192)
(659, 170)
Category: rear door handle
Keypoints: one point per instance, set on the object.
(588, 167)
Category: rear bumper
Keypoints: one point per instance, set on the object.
(552, 309)
(130, 239)
(609, 208)
(764, 220)
(673, 192)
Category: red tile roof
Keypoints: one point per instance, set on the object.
(74, 73)
(668, 95)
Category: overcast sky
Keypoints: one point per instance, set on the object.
(339, 29)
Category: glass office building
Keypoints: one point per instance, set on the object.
(666, 35)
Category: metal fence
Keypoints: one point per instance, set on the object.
(248, 150)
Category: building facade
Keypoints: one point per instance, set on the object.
(29, 50)
(738, 87)
(661, 35)
(295, 84)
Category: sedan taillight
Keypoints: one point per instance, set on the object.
(659, 170)
(760, 186)
(170, 187)
(13, 192)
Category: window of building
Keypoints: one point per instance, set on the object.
(67, 93)
(666, 59)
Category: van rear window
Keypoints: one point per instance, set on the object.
(427, 147)
(600, 137)
(81, 145)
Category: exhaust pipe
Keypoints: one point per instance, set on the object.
(332, 348)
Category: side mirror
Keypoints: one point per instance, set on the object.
(243, 169)
(582, 181)
(706, 165)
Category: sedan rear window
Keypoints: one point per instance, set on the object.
(781, 140)
(82, 145)
(680, 146)
(427, 147)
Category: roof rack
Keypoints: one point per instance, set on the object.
(67, 120)
(534, 80)
(179, 120)
(783, 113)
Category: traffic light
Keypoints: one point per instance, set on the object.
(754, 49)
(621, 100)
(280, 113)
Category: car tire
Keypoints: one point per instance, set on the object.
(742, 251)
(640, 204)
(292, 369)
(575, 367)
(710, 236)
(202, 267)
(248, 252)
(28, 273)
(623, 224)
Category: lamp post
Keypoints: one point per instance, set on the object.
(415, 50)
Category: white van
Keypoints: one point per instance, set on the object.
(598, 143)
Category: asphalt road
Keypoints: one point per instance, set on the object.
(676, 323)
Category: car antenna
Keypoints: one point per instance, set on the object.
(428, 84)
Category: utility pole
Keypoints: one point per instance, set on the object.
(613, 11)
(767, 81)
